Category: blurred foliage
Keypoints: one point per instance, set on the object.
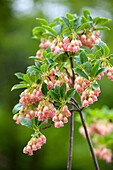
(16, 45)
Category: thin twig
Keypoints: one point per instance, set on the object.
(46, 127)
(71, 103)
(68, 74)
(73, 110)
(89, 140)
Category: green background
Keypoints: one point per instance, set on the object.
(17, 19)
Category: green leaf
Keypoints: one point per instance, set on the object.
(48, 34)
(77, 23)
(95, 86)
(66, 34)
(42, 21)
(95, 69)
(95, 61)
(57, 89)
(49, 60)
(106, 50)
(88, 68)
(36, 58)
(69, 16)
(98, 54)
(77, 60)
(38, 65)
(19, 86)
(111, 56)
(27, 78)
(81, 73)
(102, 28)
(48, 49)
(35, 134)
(101, 70)
(38, 29)
(17, 108)
(19, 75)
(57, 55)
(50, 30)
(34, 121)
(57, 28)
(86, 13)
(101, 21)
(63, 64)
(41, 122)
(44, 88)
(66, 21)
(50, 55)
(83, 57)
(44, 68)
(95, 19)
(54, 95)
(51, 66)
(44, 53)
(70, 93)
(26, 122)
(63, 90)
(84, 25)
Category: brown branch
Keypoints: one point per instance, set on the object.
(89, 141)
(68, 74)
(46, 127)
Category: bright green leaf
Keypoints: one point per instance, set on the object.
(19, 75)
(50, 30)
(102, 28)
(86, 13)
(19, 86)
(42, 21)
(101, 21)
(69, 16)
(44, 68)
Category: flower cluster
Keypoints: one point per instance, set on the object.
(30, 96)
(104, 153)
(51, 79)
(61, 45)
(34, 144)
(89, 96)
(45, 110)
(101, 127)
(110, 73)
(81, 84)
(61, 117)
(90, 38)
(25, 112)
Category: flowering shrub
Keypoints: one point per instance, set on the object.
(71, 59)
